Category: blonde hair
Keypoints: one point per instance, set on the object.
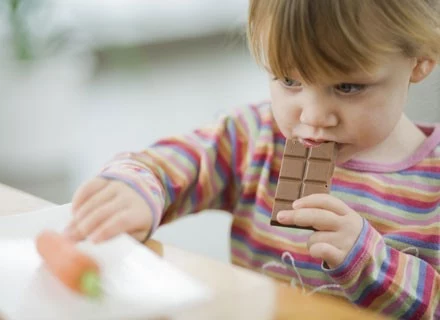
(324, 39)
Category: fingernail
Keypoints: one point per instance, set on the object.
(94, 238)
(68, 230)
(295, 204)
(72, 233)
(282, 216)
(69, 234)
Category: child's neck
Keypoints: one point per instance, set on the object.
(403, 141)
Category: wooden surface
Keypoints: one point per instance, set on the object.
(239, 293)
(15, 201)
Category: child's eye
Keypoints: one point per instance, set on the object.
(289, 83)
(350, 88)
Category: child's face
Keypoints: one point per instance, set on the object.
(357, 112)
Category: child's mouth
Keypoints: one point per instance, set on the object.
(310, 143)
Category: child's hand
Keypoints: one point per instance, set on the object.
(338, 226)
(105, 208)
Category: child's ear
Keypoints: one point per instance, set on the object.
(422, 69)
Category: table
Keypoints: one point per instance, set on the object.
(240, 293)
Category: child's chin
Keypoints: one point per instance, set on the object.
(344, 155)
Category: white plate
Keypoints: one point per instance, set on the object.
(137, 283)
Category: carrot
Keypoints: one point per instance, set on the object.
(72, 267)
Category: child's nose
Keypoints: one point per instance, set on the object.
(318, 116)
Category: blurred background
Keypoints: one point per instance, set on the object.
(81, 80)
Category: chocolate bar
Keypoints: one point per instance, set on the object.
(304, 171)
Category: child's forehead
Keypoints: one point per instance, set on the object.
(358, 75)
(318, 60)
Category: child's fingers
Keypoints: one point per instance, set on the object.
(113, 226)
(128, 220)
(73, 234)
(99, 215)
(329, 237)
(87, 190)
(140, 235)
(323, 201)
(330, 254)
(141, 225)
(317, 218)
(103, 196)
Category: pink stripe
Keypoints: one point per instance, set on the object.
(365, 273)
(347, 273)
(386, 216)
(420, 154)
(176, 164)
(315, 282)
(432, 260)
(387, 281)
(386, 196)
(243, 125)
(427, 291)
(409, 274)
(424, 168)
(377, 252)
(386, 179)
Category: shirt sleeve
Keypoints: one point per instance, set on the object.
(390, 281)
(189, 173)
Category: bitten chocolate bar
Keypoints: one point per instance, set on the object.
(304, 171)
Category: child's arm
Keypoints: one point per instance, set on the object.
(398, 284)
(193, 172)
(181, 174)
(371, 273)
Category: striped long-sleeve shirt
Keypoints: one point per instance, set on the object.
(233, 165)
